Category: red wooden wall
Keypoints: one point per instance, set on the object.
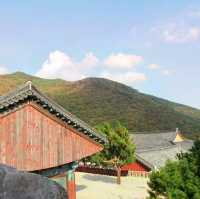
(31, 139)
(135, 166)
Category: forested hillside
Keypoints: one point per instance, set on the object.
(97, 100)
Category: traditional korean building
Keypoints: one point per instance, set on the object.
(154, 149)
(38, 135)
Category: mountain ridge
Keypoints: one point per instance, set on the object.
(98, 100)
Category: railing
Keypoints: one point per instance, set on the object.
(112, 172)
(101, 171)
(139, 174)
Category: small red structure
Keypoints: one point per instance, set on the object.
(135, 166)
(138, 168)
(38, 135)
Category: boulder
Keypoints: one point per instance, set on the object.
(16, 184)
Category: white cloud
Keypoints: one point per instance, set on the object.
(178, 32)
(61, 65)
(177, 35)
(166, 72)
(122, 61)
(3, 70)
(153, 66)
(127, 78)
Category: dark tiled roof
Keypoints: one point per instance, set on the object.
(149, 141)
(29, 92)
(154, 149)
(158, 158)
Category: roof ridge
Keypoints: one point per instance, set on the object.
(157, 149)
(152, 132)
(12, 92)
(29, 83)
(145, 162)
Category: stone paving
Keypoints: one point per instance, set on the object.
(92, 186)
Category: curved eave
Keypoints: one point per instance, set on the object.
(144, 162)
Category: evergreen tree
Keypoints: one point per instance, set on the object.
(179, 179)
(119, 145)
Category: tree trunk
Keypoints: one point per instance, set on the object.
(118, 175)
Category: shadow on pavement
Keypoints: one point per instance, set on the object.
(80, 187)
(103, 178)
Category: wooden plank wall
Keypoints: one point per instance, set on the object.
(135, 166)
(31, 139)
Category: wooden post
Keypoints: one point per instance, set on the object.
(116, 163)
(118, 175)
(70, 181)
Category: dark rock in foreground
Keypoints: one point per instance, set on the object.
(23, 185)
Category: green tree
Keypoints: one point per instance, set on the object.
(119, 149)
(119, 145)
(179, 179)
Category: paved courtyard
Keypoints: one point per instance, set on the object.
(91, 186)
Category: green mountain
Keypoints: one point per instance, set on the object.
(97, 100)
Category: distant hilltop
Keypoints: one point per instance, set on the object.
(97, 100)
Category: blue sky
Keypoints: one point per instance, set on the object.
(152, 46)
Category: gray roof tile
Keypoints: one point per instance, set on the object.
(148, 141)
(154, 149)
(158, 158)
